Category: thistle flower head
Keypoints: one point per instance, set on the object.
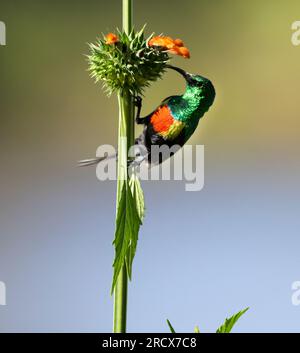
(126, 61)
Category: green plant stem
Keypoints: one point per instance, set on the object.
(127, 15)
(120, 305)
(126, 140)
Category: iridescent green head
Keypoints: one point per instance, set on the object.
(198, 85)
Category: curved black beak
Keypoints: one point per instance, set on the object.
(185, 74)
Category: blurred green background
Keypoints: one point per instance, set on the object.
(57, 221)
(48, 100)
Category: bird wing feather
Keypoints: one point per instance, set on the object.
(164, 124)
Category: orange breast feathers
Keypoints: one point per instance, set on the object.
(162, 119)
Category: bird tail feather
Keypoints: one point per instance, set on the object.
(94, 161)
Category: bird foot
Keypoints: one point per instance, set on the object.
(137, 100)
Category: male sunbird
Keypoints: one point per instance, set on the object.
(174, 121)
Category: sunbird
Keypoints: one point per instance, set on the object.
(174, 121)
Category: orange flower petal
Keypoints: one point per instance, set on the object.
(178, 42)
(162, 41)
(175, 47)
(169, 42)
(111, 38)
(174, 51)
(184, 52)
(157, 42)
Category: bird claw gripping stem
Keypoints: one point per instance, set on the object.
(137, 100)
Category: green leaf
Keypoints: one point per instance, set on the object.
(170, 326)
(126, 234)
(196, 329)
(229, 323)
(138, 196)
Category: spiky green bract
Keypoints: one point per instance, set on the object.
(129, 64)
